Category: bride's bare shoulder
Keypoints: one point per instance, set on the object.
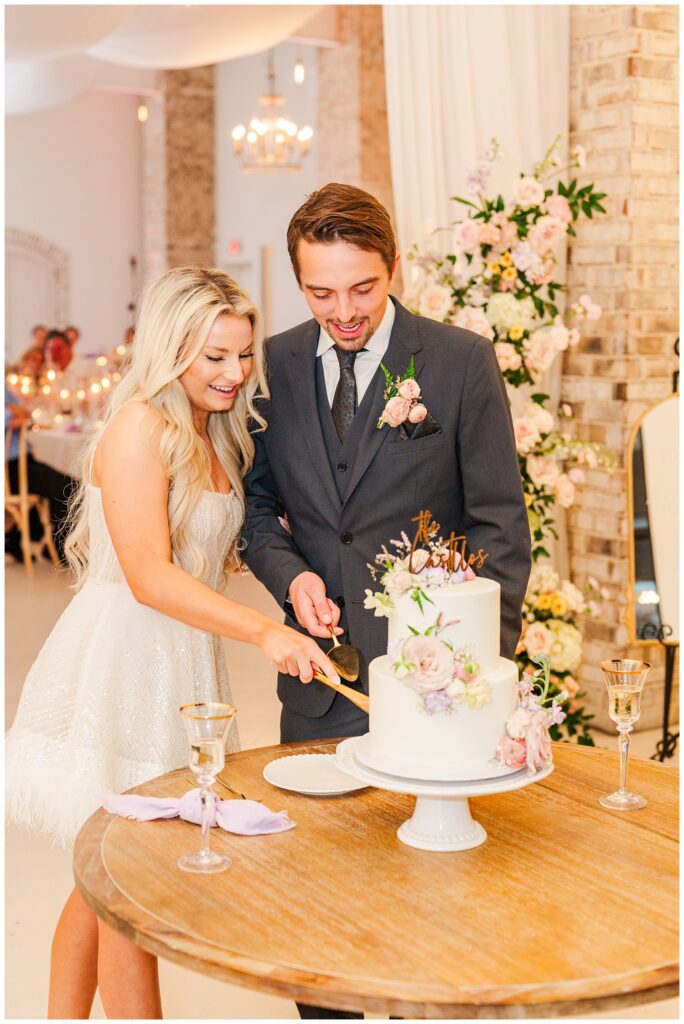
(133, 426)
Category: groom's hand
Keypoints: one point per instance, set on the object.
(312, 607)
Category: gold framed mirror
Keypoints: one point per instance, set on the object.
(653, 524)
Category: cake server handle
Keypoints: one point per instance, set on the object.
(360, 699)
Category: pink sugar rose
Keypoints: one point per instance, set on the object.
(409, 389)
(417, 414)
(396, 411)
(434, 663)
(512, 752)
(546, 234)
(467, 235)
(538, 742)
(559, 207)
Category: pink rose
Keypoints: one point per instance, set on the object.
(587, 307)
(546, 234)
(527, 193)
(509, 233)
(545, 273)
(559, 207)
(540, 352)
(472, 318)
(489, 234)
(409, 389)
(526, 434)
(467, 235)
(417, 413)
(538, 639)
(434, 663)
(576, 475)
(507, 356)
(512, 752)
(538, 742)
(396, 411)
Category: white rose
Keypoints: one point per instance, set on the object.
(527, 193)
(566, 646)
(472, 319)
(543, 472)
(435, 302)
(540, 417)
(565, 491)
(517, 724)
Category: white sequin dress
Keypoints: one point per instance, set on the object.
(99, 708)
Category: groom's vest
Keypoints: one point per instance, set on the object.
(340, 454)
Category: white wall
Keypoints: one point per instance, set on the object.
(256, 208)
(73, 177)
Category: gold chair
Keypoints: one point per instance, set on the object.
(19, 505)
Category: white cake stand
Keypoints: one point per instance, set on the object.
(441, 821)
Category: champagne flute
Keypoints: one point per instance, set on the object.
(625, 681)
(207, 726)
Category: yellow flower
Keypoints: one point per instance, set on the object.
(506, 259)
(529, 498)
(544, 602)
(558, 606)
(510, 274)
(515, 333)
(494, 268)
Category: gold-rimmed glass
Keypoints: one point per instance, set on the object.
(625, 680)
(207, 725)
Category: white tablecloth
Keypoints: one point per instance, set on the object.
(60, 449)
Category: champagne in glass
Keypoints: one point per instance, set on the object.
(625, 681)
(207, 726)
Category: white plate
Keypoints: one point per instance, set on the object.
(311, 774)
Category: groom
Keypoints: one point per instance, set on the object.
(328, 488)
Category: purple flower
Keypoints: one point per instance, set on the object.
(556, 714)
(437, 701)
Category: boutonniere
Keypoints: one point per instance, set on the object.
(402, 398)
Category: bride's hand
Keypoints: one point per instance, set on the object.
(295, 654)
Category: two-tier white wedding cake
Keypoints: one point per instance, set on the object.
(444, 705)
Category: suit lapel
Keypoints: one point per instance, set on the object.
(404, 343)
(302, 381)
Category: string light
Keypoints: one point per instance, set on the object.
(143, 113)
(299, 71)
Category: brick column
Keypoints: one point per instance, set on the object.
(624, 111)
(179, 213)
(353, 140)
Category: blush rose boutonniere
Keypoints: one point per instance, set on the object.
(402, 398)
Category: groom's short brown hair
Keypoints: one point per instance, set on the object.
(343, 213)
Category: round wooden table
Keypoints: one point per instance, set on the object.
(566, 909)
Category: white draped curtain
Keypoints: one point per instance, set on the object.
(456, 77)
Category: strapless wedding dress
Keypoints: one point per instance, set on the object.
(99, 708)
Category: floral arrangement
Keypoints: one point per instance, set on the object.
(413, 571)
(550, 612)
(527, 740)
(442, 677)
(500, 281)
(402, 398)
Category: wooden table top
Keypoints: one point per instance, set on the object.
(566, 909)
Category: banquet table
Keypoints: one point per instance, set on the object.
(566, 909)
(61, 449)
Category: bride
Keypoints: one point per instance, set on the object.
(155, 528)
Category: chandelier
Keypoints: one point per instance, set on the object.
(272, 141)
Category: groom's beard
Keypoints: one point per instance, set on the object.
(350, 344)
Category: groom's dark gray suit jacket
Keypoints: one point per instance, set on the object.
(344, 502)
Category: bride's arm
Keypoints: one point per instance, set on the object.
(128, 469)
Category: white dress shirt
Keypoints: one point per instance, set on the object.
(367, 360)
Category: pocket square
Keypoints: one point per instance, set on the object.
(413, 431)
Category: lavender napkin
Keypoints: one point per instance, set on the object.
(244, 817)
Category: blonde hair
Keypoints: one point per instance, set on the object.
(176, 314)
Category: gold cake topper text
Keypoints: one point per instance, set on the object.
(452, 553)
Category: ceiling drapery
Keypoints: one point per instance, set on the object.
(54, 53)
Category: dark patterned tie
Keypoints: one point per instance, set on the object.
(344, 401)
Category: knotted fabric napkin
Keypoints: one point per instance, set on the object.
(244, 817)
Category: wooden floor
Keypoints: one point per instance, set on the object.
(38, 877)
